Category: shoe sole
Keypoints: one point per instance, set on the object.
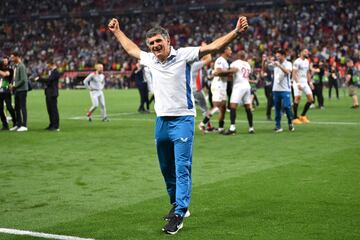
(173, 233)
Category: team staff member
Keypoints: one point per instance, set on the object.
(95, 82)
(6, 76)
(267, 73)
(282, 89)
(352, 78)
(51, 94)
(20, 89)
(174, 107)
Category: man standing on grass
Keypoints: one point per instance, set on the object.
(302, 83)
(20, 89)
(282, 89)
(241, 92)
(95, 82)
(174, 106)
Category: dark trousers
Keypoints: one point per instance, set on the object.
(144, 97)
(333, 83)
(270, 101)
(319, 93)
(20, 108)
(6, 97)
(52, 109)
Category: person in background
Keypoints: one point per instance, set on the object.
(334, 80)
(6, 78)
(51, 95)
(139, 75)
(352, 79)
(20, 89)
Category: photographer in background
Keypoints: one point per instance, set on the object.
(6, 76)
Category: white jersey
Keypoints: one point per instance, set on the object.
(302, 67)
(282, 80)
(148, 79)
(95, 81)
(172, 81)
(241, 77)
(224, 65)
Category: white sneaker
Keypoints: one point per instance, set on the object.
(251, 130)
(22, 129)
(14, 128)
(278, 130)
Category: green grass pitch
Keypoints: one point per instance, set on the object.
(102, 180)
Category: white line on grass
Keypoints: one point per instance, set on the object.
(241, 121)
(40, 234)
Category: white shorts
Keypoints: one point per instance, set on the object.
(240, 95)
(305, 88)
(218, 91)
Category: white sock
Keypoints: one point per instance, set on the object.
(232, 127)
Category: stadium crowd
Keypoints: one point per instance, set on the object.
(329, 30)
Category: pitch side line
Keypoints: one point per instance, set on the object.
(40, 234)
(241, 121)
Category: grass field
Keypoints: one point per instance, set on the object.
(102, 180)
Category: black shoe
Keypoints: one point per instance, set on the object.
(174, 225)
(230, 132)
(52, 129)
(291, 128)
(355, 106)
(48, 128)
(172, 213)
(269, 118)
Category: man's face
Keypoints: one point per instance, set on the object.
(14, 58)
(100, 68)
(279, 57)
(5, 61)
(305, 53)
(228, 52)
(159, 46)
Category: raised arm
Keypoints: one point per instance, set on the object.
(130, 47)
(223, 41)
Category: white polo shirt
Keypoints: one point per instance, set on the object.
(172, 81)
(282, 80)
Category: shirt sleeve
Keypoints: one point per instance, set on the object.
(190, 54)
(145, 58)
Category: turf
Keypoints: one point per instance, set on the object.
(102, 180)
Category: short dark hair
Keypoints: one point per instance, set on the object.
(155, 31)
(280, 51)
(16, 53)
(242, 54)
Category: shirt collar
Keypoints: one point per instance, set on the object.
(170, 57)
